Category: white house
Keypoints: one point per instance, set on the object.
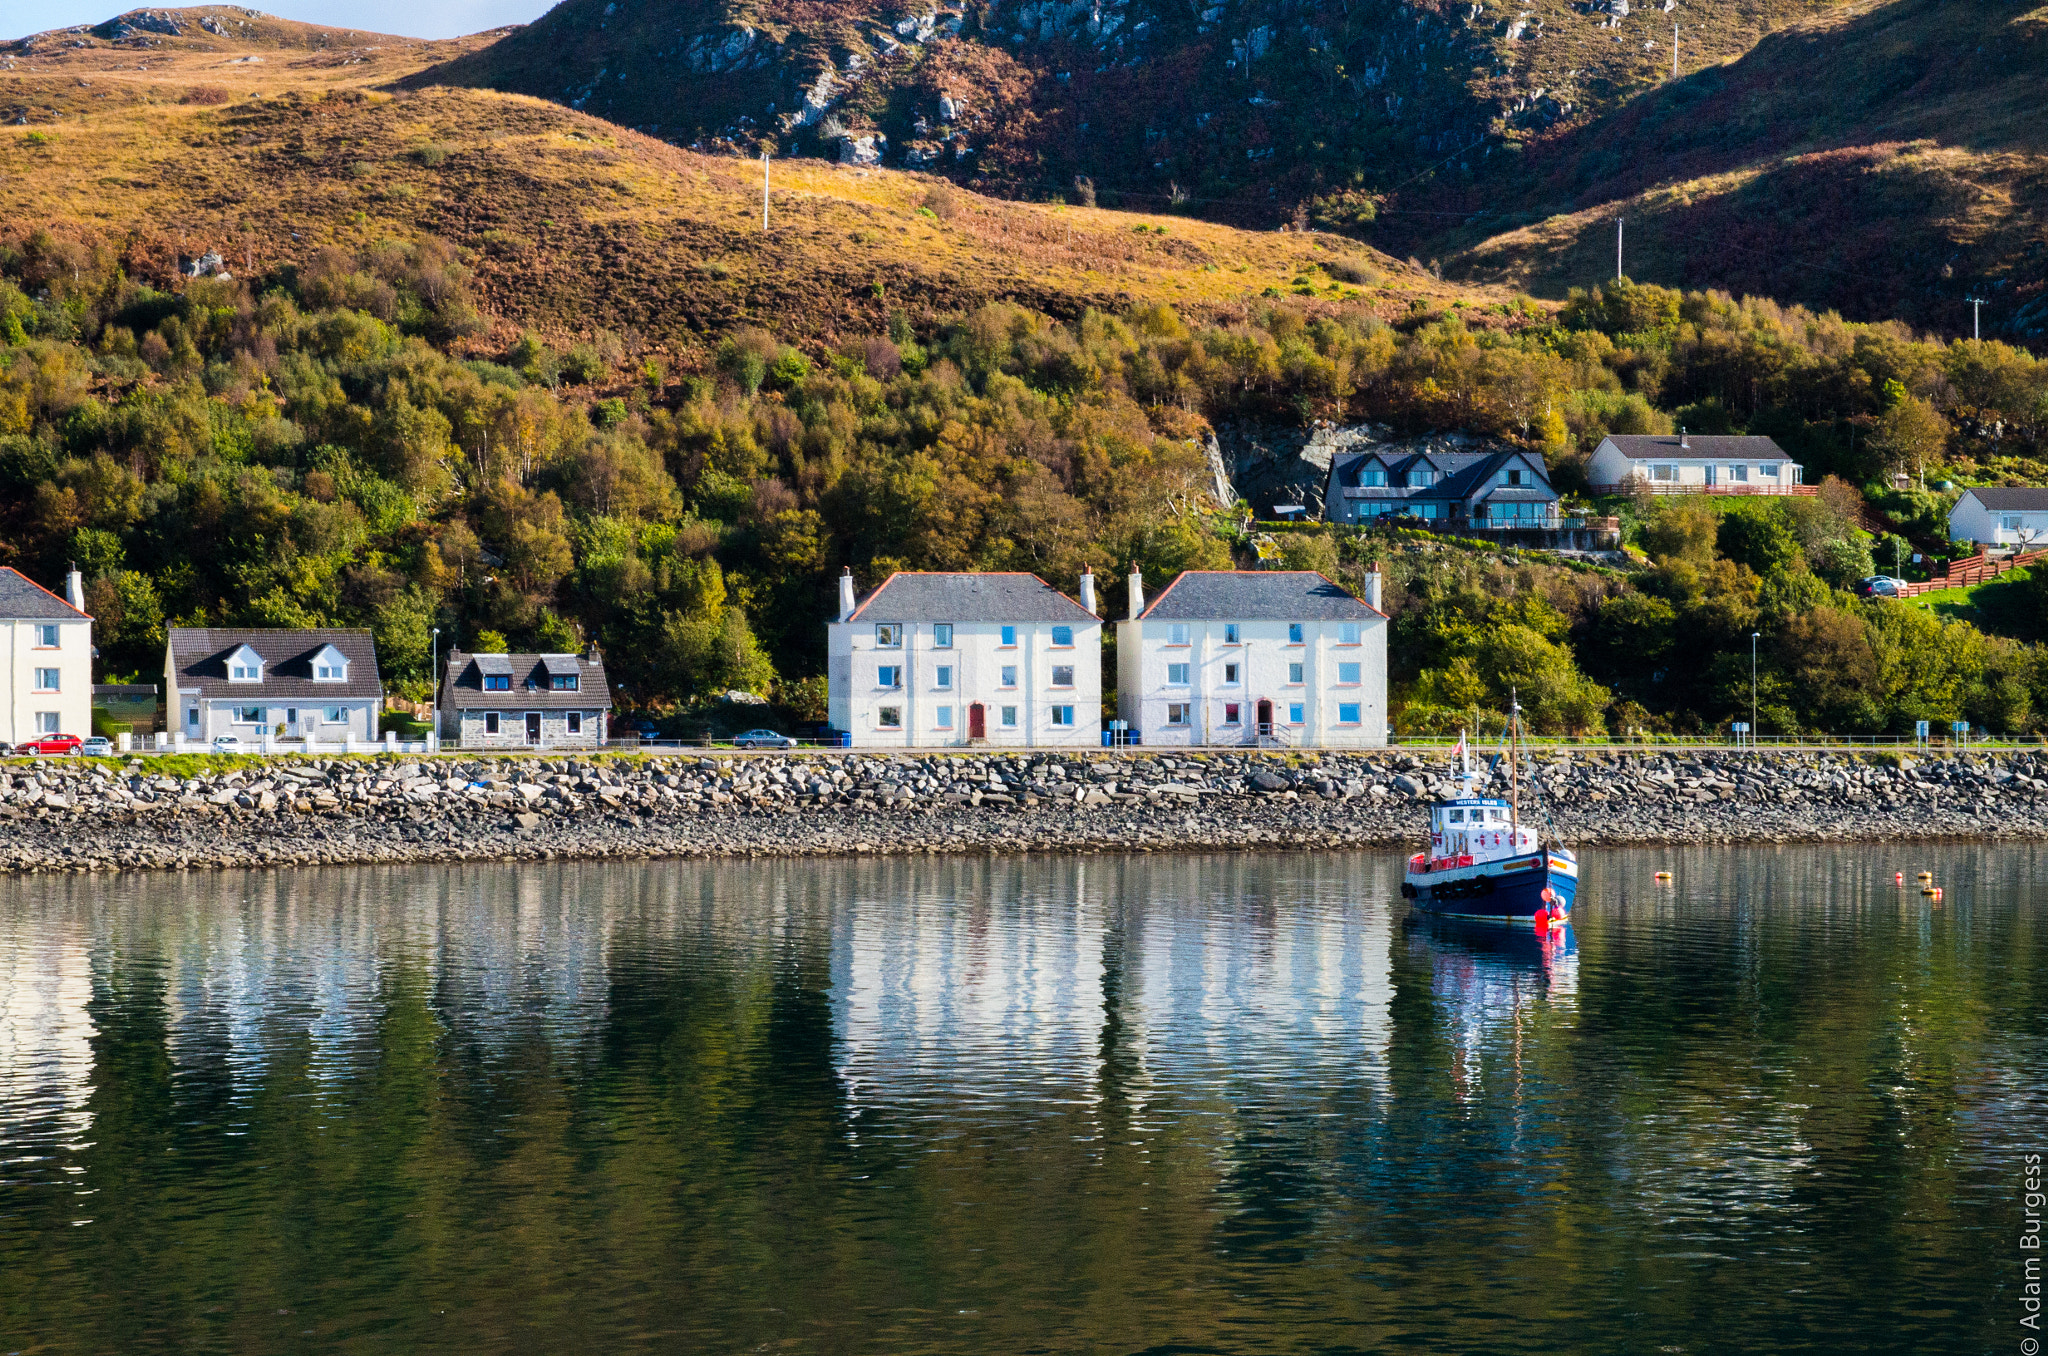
(1682, 463)
(48, 674)
(319, 686)
(2002, 516)
(1279, 657)
(554, 701)
(942, 660)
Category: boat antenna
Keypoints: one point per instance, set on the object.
(1465, 754)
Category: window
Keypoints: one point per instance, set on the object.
(1230, 710)
(1009, 675)
(1456, 816)
(1176, 713)
(248, 715)
(1294, 633)
(1177, 674)
(1663, 473)
(1296, 713)
(942, 718)
(1063, 715)
(47, 680)
(942, 636)
(889, 717)
(192, 717)
(1177, 634)
(1768, 472)
(335, 715)
(1348, 673)
(1347, 633)
(942, 677)
(1373, 477)
(244, 673)
(497, 682)
(1511, 476)
(563, 682)
(328, 669)
(1230, 673)
(1230, 633)
(1347, 713)
(888, 635)
(889, 675)
(490, 722)
(1421, 479)
(46, 637)
(1738, 473)
(1295, 672)
(1495, 815)
(1009, 717)
(1428, 510)
(1063, 636)
(2010, 523)
(1010, 637)
(575, 723)
(46, 722)
(1063, 675)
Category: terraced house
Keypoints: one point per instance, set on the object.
(936, 660)
(48, 674)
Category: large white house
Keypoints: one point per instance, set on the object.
(2013, 517)
(1682, 463)
(317, 686)
(942, 660)
(1276, 657)
(48, 673)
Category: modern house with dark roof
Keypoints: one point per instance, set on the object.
(1260, 657)
(264, 686)
(535, 701)
(1500, 489)
(938, 660)
(48, 672)
(1693, 463)
(2002, 516)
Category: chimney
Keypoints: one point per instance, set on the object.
(1684, 443)
(845, 593)
(1137, 590)
(1088, 588)
(74, 588)
(1372, 586)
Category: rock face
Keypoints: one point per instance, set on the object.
(65, 815)
(1264, 466)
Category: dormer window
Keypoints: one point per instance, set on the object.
(1377, 476)
(496, 672)
(1421, 478)
(1511, 476)
(330, 666)
(497, 682)
(562, 682)
(245, 666)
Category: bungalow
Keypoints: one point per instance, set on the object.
(1485, 491)
(1683, 463)
(316, 685)
(541, 701)
(46, 687)
(2001, 516)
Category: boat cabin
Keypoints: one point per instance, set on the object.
(1476, 829)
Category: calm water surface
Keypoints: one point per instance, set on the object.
(1187, 1104)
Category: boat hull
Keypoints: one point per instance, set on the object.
(1510, 891)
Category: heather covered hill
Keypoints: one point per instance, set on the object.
(1889, 161)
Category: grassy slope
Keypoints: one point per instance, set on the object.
(571, 222)
(1888, 160)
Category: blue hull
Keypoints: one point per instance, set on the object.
(1496, 897)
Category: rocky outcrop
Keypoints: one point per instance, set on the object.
(73, 816)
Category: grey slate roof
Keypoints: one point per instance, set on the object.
(2012, 498)
(464, 684)
(1698, 447)
(200, 657)
(1255, 595)
(23, 599)
(1462, 477)
(943, 597)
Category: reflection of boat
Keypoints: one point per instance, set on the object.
(1508, 953)
(1483, 865)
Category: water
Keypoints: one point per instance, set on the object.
(1191, 1104)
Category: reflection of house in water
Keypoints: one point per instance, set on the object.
(46, 1036)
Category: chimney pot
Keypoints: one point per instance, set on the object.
(845, 592)
(1088, 589)
(74, 588)
(1137, 590)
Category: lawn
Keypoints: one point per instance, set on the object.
(2003, 606)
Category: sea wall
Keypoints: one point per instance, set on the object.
(100, 816)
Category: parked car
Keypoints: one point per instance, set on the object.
(49, 745)
(763, 739)
(1881, 586)
(227, 744)
(99, 746)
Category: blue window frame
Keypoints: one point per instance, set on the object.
(1009, 635)
(1347, 713)
(1296, 713)
(1063, 635)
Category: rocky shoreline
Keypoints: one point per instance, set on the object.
(65, 815)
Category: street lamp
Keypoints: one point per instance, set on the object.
(1752, 686)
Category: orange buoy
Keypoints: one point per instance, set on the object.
(1663, 875)
(1898, 878)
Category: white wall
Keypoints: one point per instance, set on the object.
(1969, 520)
(1264, 657)
(217, 717)
(72, 658)
(1610, 467)
(977, 658)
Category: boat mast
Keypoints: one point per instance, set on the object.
(1515, 769)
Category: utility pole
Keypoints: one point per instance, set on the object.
(764, 191)
(1674, 51)
(1752, 685)
(1617, 247)
(1976, 317)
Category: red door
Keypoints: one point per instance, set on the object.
(977, 722)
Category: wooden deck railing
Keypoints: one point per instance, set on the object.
(1685, 487)
(1972, 570)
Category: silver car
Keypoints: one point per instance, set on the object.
(763, 739)
(99, 746)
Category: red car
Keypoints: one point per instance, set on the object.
(46, 745)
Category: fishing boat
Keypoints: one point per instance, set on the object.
(1483, 864)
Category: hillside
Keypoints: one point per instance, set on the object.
(1239, 109)
(1889, 160)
